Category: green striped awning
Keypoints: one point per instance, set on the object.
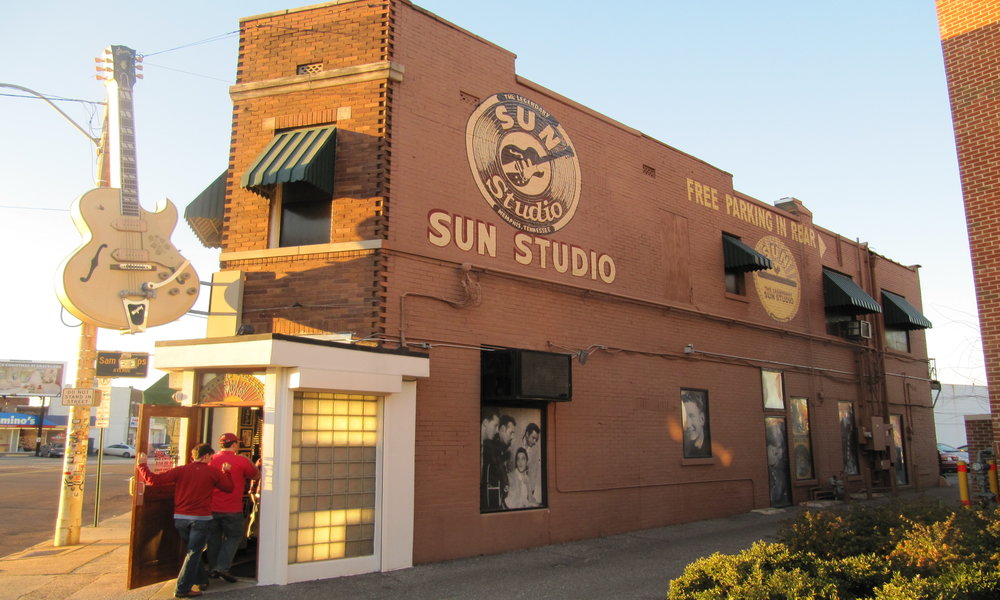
(204, 213)
(742, 258)
(841, 295)
(900, 314)
(297, 155)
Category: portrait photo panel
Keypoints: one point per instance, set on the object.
(512, 442)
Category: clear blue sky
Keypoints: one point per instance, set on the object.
(840, 104)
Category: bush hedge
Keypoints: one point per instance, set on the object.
(896, 551)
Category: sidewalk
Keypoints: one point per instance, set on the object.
(638, 564)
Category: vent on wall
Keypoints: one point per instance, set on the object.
(309, 69)
(649, 171)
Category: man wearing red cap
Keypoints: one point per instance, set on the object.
(192, 509)
(228, 524)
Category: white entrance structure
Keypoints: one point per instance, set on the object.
(304, 518)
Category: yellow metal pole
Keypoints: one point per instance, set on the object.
(75, 459)
(963, 483)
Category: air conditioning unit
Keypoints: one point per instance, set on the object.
(856, 330)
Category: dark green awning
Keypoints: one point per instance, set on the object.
(159, 393)
(900, 314)
(204, 213)
(841, 295)
(298, 155)
(742, 258)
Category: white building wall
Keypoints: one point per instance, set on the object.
(954, 402)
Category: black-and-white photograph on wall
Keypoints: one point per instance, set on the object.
(511, 460)
(694, 420)
(848, 439)
(777, 461)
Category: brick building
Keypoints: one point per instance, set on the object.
(416, 241)
(970, 38)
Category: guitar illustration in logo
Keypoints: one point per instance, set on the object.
(126, 274)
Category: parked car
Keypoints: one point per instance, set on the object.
(123, 450)
(53, 450)
(948, 457)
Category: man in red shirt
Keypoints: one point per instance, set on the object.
(192, 509)
(228, 523)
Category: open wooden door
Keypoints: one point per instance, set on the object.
(166, 434)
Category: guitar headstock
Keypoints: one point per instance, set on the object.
(122, 63)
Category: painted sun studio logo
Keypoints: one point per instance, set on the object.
(524, 163)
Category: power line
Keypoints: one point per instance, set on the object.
(32, 208)
(187, 72)
(54, 99)
(215, 38)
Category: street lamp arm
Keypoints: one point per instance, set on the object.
(96, 140)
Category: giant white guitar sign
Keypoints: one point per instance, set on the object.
(126, 274)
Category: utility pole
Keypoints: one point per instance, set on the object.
(75, 458)
(70, 516)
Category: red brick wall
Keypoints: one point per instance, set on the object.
(970, 37)
(317, 292)
(979, 437)
(613, 454)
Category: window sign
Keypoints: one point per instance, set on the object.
(511, 459)
(773, 389)
(694, 420)
(801, 443)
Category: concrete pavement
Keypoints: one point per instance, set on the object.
(631, 565)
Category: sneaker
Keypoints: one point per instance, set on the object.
(227, 576)
(191, 594)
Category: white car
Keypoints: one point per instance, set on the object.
(123, 450)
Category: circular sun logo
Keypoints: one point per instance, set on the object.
(524, 163)
(779, 287)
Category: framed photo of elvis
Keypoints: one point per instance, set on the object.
(246, 438)
(511, 458)
(694, 421)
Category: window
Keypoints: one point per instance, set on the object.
(777, 461)
(738, 259)
(801, 442)
(511, 459)
(844, 301)
(773, 390)
(848, 438)
(897, 339)
(300, 216)
(899, 318)
(295, 171)
(332, 504)
(696, 425)
(899, 456)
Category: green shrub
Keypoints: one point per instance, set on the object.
(896, 551)
(857, 528)
(764, 572)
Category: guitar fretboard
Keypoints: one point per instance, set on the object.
(127, 160)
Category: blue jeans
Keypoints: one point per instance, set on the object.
(224, 540)
(194, 533)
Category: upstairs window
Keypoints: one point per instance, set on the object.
(739, 259)
(295, 171)
(845, 301)
(900, 318)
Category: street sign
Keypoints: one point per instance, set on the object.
(80, 397)
(122, 364)
(103, 417)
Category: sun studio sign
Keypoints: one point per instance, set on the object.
(526, 168)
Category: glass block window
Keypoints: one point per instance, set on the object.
(333, 478)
